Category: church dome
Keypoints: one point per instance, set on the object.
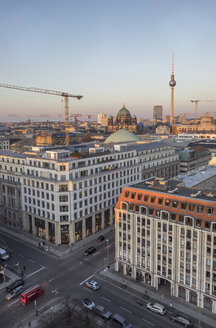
(122, 135)
(123, 112)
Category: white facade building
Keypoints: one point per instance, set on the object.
(63, 199)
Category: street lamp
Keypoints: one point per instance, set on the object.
(107, 241)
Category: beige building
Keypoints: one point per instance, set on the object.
(165, 236)
(65, 199)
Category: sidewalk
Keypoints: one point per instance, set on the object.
(207, 318)
(59, 251)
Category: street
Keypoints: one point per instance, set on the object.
(67, 277)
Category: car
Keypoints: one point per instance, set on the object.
(92, 284)
(90, 250)
(15, 284)
(102, 312)
(101, 238)
(88, 304)
(120, 321)
(181, 320)
(157, 308)
(14, 293)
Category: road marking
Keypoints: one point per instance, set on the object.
(88, 289)
(13, 302)
(106, 299)
(96, 254)
(30, 260)
(42, 268)
(150, 323)
(86, 280)
(126, 310)
(71, 268)
(20, 254)
(51, 280)
(80, 262)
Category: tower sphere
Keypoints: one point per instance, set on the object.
(172, 83)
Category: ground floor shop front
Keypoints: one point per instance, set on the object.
(68, 232)
(164, 285)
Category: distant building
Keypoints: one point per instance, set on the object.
(157, 114)
(53, 138)
(205, 124)
(102, 119)
(163, 129)
(165, 236)
(123, 120)
(4, 143)
(193, 157)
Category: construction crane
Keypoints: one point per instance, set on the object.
(65, 95)
(196, 102)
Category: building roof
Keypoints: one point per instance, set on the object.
(122, 135)
(124, 112)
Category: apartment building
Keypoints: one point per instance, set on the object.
(65, 199)
(165, 236)
(4, 143)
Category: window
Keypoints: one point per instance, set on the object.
(198, 223)
(209, 211)
(181, 218)
(199, 208)
(133, 194)
(160, 201)
(207, 225)
(167, 202)
(146, 198)
(153, 199)
(63, 188)
(175, 203)
(127, 193)
(139, 197)
(183, 205)
(191, 207)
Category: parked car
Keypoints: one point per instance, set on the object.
(16, 283)
(31, 294)
(157, 308)
(102, 312)
(3, 255)
(121, 321)
(90, 250)
(88, 304)
(181, 320)
(92, 284)
(14, 293)
(101, 238)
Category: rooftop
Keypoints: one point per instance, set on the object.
(193, 178)
(174, 187)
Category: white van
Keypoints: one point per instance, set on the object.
(3, 255)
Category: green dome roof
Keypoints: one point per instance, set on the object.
(122, 135)
(124, 112)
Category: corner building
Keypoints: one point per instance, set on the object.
(166, 237)
(63, 199)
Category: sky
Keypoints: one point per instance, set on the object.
(111, 52)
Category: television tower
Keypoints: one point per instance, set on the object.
(172, 83)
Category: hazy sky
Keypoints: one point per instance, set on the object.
(110, 51)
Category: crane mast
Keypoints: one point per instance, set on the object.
(65, 95)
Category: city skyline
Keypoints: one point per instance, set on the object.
(112, 53)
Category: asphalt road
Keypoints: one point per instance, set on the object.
(67, 277)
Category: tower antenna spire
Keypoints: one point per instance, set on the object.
(173, 62)
(172, 84)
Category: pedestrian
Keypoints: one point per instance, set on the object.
(23, 267)
(171, 305)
